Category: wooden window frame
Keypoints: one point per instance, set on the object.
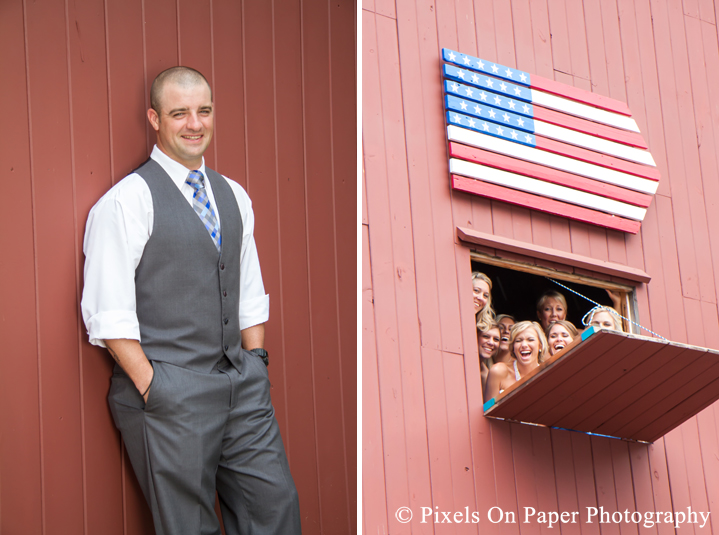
(552, 255)
(629, 307)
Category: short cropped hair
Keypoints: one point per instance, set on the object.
(184, 76)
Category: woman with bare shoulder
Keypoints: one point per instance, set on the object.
(529, 348)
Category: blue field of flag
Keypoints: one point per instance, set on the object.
(486, 127)
(500, 71)
(489, 113)
(488, 83)
(489, 98)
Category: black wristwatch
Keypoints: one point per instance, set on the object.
(262, 354)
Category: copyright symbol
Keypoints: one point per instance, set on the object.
(403, 515)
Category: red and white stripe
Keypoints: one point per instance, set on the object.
(590, 163)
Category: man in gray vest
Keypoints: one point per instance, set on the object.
(173, 289)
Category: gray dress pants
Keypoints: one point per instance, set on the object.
(204, 432)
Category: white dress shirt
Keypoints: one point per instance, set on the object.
(117, 230)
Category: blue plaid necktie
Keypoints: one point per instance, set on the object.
(201, 204)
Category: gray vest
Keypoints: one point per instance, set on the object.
(187, 293)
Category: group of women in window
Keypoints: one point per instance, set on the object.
(509, 350)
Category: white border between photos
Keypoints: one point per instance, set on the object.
(358, 45)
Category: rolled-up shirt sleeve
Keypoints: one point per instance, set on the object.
(117, 230)
(254, 303)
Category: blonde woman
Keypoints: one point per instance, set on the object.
(551, 307)
(559, 334)
(603, 318)
(488, 342)
(529, 348)
(482, 293)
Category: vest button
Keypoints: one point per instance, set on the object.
(222, 266)
(227, 347)
(224, 293)
(226, 320)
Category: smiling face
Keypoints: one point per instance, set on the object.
(488, 343)
(526, 347)
(505, 329)
(185, 122)
(558, 338)
(481, 294)
(603, 320)
(552, 311)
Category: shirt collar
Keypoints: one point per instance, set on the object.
(178, 172)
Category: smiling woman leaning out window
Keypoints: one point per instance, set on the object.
(559, 334)
(551, 307)
(603, 318)
(529, 348)
(482, 298)
(488, 341)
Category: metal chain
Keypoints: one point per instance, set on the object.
(597, 304)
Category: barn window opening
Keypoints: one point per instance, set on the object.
(516, 288)
(626, 385)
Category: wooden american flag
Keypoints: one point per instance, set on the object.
(537, 143)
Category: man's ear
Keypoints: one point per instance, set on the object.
(154, 119)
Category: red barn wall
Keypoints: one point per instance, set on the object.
(76, 78)
(425, 441)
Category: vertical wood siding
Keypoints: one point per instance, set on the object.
(77, 76)
(425, 440)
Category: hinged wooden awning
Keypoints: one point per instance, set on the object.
(616, 384)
